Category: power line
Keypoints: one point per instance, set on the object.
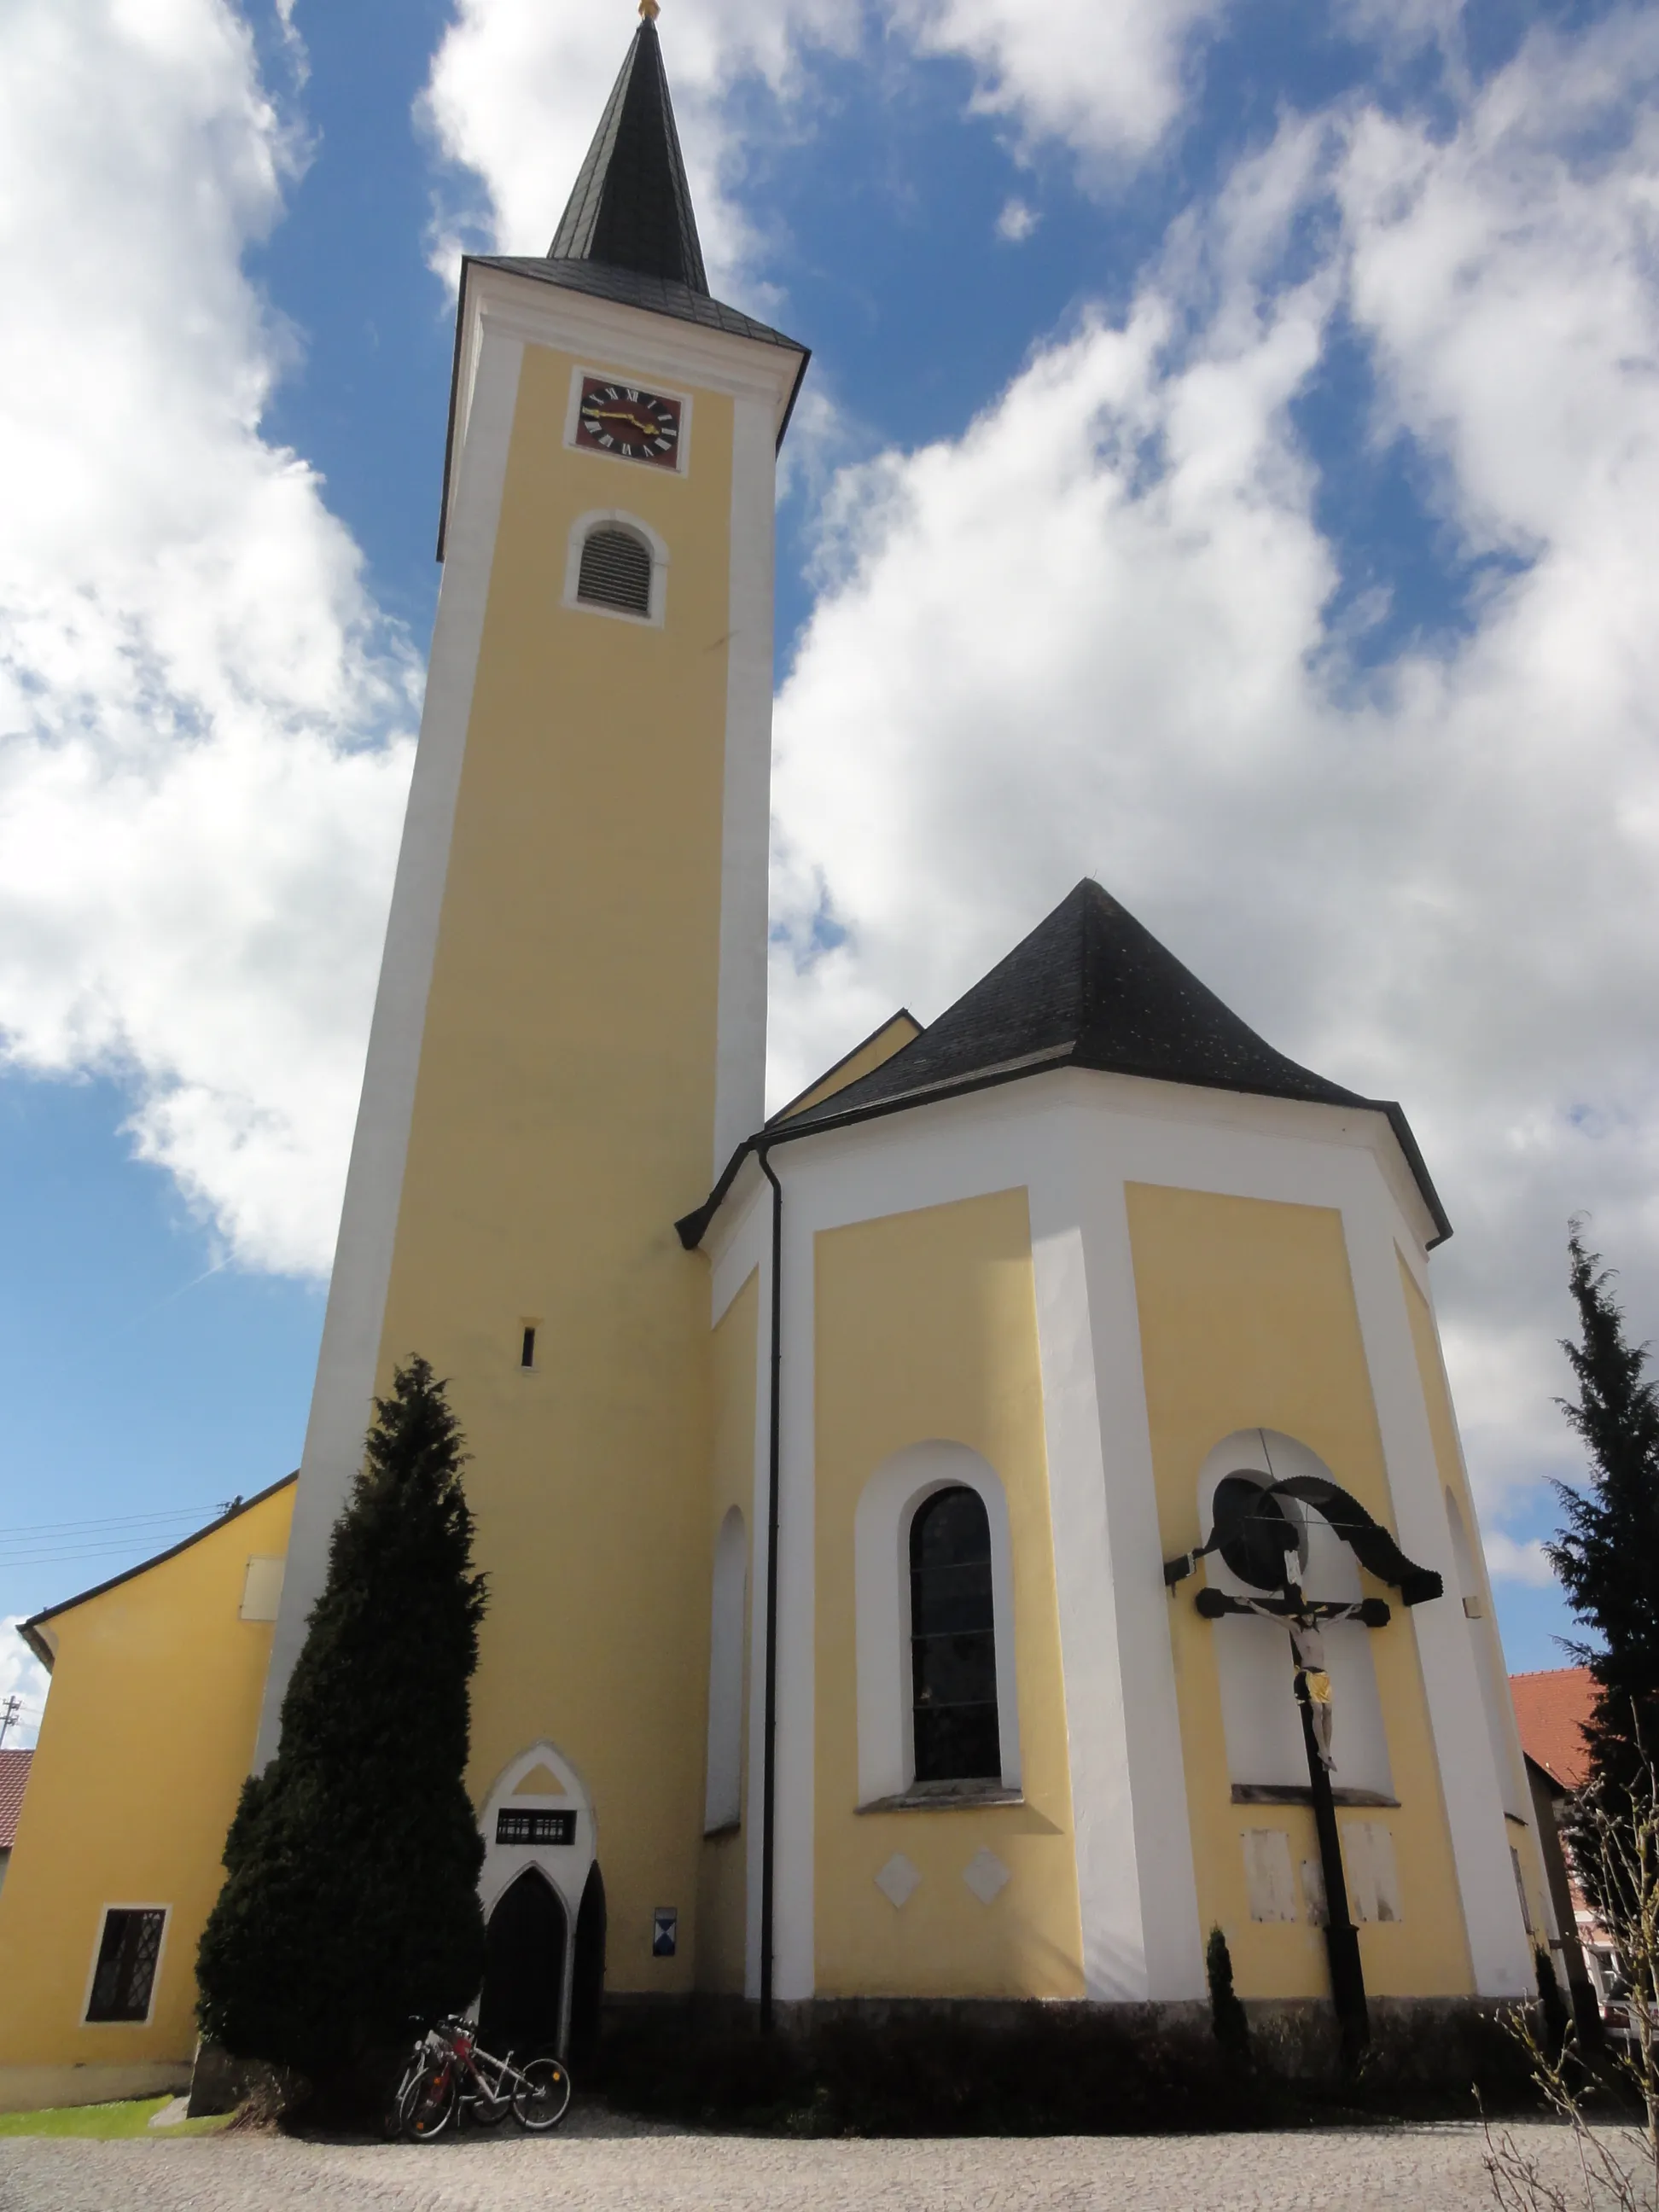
(111, 1521)
(117, 1551)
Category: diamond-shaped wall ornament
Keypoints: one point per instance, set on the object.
(985, 1874)
(897, 1880)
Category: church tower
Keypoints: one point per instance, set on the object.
(569, 1033)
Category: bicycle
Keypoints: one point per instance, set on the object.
(449, 2074)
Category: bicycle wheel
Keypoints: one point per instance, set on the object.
(543, 2096)
(427, 2105)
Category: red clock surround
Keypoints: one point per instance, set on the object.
(628, 423)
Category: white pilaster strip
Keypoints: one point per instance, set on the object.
(1155, 1780)
(342, 1398)
(740, 1064)
(1136, 1891)
(1499, 1946)
(1107, 1876)
(794, 1963)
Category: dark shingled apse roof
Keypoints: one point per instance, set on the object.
(1091, 987)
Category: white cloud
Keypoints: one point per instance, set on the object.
(1510, 1561)
(199, 800)
(1435, 880)
(1107, 80)
(516, 89)
(1016, 222)
(22, 1677)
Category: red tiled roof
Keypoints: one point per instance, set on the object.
(13, 1774)
(1552, 1708)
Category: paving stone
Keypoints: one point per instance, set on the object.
(598, 2163)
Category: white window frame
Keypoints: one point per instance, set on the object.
(1486, 1652)
(1262, 1725)
(120, 1905)
(881, 1547)
(581, 529)
(564, 1867)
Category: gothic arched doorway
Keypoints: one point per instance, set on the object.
(521, 2005)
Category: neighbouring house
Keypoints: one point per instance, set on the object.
(117, 1861)
(1551, 1707)
(14, 1780)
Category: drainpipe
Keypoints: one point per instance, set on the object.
(769, 1755)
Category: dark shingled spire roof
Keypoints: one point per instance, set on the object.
(628, 233)
(632, 207)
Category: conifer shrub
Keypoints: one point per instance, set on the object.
(1033, 2068)
(1554, 2020)
(350, 1900)
(1228, 2019)
(1607, 1556)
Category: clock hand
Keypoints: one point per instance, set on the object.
(618, 415)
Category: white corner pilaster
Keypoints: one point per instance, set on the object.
(1136, 1888)
(1500, 1951)
(341, 1397)
(746, 814)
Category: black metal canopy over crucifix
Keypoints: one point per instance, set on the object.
(1267, 1548)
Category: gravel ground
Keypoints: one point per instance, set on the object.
(600, 2164)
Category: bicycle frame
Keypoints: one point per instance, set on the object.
(487, 2082)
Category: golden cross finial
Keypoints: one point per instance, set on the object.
(650, 10)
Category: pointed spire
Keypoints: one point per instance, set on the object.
(631, 208)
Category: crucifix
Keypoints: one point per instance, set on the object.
(1267, 1548)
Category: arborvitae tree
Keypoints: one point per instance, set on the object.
(351, 1899)
(1608, 1555)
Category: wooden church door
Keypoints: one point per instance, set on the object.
(525, 1943)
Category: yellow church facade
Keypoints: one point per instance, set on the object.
(826, 1469)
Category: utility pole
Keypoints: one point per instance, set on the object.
(11, 1709)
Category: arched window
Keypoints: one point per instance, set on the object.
(723, 1799)
(616, 570)
(1489, 1670)
(953, 1646)
(1260, 1719)
(892, 1534)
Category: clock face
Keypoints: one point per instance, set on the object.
(620, 419)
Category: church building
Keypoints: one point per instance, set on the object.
(871, 1613)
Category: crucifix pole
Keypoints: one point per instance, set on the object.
(1257, 1540)
(1342, 1936)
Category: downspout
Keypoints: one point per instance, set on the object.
(768, 1752)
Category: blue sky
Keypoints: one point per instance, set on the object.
(1229, 466)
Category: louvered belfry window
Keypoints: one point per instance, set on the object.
(616, 571)
(953, 1645)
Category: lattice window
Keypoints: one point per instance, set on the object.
(127, 1954)
(616, 571)
(953, 1647)
(524, 1825)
